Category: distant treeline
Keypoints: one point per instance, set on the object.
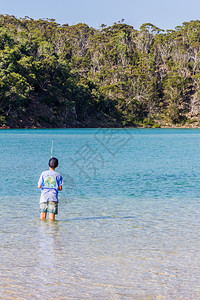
(56, 75)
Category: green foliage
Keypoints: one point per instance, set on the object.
(2, 120)
(156, 126)
(51, 72)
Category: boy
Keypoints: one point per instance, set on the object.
(50, 183)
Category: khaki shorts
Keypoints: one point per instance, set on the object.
(51, 207)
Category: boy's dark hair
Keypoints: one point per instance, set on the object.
(53, 163)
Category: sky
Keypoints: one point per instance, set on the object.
(164, 14)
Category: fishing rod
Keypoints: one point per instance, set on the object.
(52, 148)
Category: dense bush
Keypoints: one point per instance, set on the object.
(53, 75)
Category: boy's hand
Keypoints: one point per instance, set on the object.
(39, 186)
(60, 188)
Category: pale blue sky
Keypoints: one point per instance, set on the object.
(165, 14)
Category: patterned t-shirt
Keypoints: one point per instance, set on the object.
(50, 182)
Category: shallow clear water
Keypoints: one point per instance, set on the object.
(128, 222)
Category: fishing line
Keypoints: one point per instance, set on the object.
(52, 148)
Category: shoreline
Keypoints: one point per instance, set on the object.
(131, 127)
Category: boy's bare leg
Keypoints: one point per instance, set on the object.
(43, 215)
(51, 216)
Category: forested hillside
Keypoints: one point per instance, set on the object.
(56, 75)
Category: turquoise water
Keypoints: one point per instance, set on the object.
(128, 222)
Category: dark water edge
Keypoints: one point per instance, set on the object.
(97, 125)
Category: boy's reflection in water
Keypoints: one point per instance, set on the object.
(50, 251)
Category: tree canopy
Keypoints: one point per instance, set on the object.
(56, 75)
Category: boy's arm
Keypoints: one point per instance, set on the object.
(60, 183)
(40, 182)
